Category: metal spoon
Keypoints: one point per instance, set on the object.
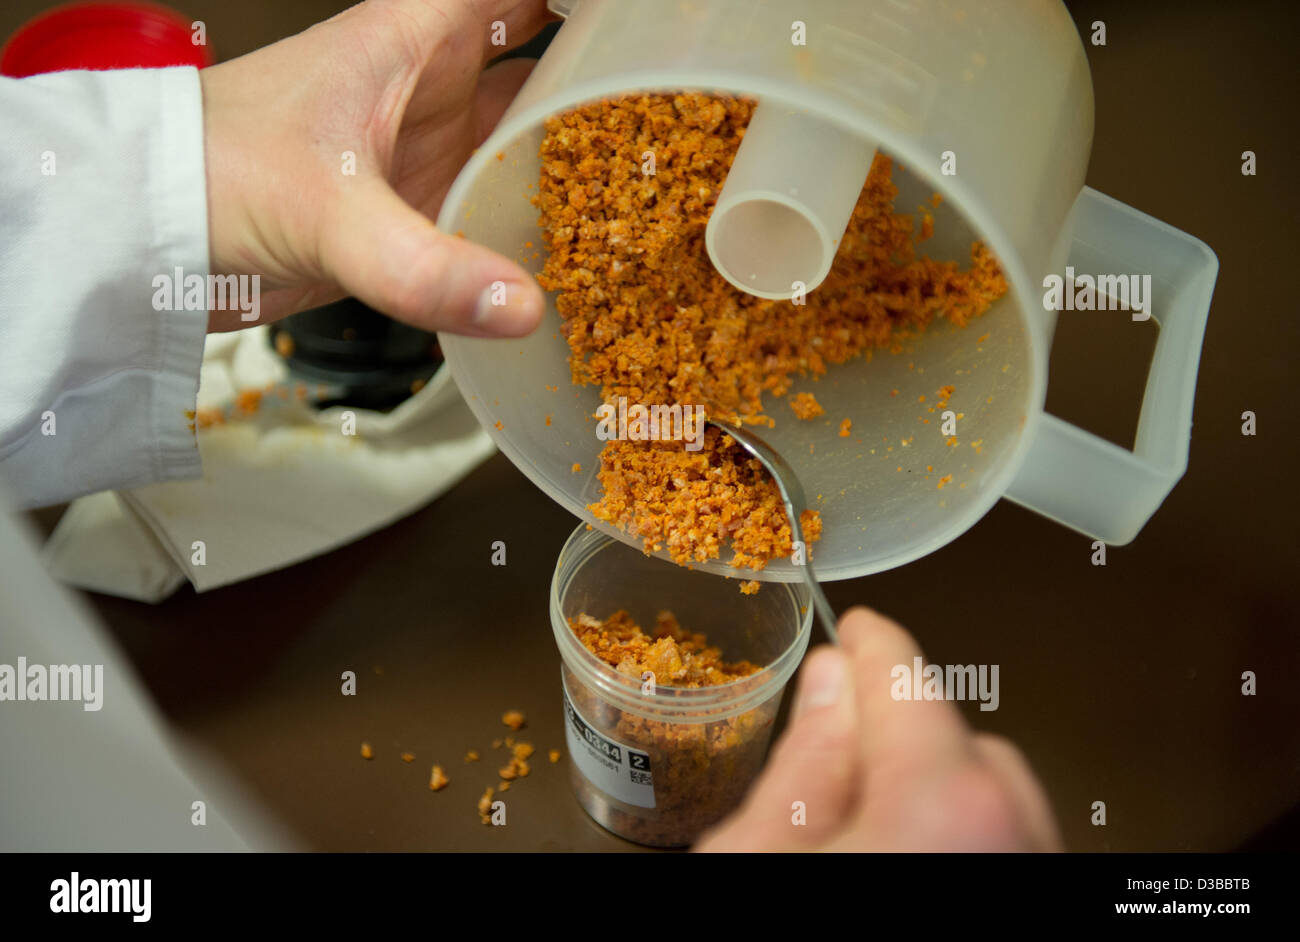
(792, 495)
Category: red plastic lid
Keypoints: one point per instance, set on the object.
(102, 36)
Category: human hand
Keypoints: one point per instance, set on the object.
(878, 774)
(400, 84)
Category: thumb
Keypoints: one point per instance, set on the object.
(391, 256)
(811, 783)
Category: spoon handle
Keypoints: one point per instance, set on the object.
(822, 604)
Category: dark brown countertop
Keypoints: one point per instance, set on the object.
(1120, 683)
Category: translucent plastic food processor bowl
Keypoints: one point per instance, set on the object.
(1003, 89)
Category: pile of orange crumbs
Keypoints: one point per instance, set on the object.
(646, 316)
(676, 658)
(694, 503)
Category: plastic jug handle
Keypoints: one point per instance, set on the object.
(1084, 481)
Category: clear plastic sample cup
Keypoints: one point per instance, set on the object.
(654, 763)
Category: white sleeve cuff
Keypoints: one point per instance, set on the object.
(103, 191)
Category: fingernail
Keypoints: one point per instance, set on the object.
(508, 308)
(822, 683)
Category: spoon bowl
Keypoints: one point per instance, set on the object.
(795, 501)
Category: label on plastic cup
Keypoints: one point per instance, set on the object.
(613, 767)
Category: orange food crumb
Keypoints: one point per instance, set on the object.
(284, 344)
(554, 756)
(576, 468)
(366, 751)
(206, 418)
(438, 779)
(806, 406)
(499, 425)
(523, 750)
(485, 806)
(515, 768)
(944, 480)
(513, 718)
(548, 420)
(408, 757)
(471, 755)
(845, 426)
(952, 440)
(750, 587)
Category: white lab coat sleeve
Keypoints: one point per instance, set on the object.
(102, 191)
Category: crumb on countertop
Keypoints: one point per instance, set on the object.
(513, 718)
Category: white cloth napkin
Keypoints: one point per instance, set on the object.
(279, 486)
